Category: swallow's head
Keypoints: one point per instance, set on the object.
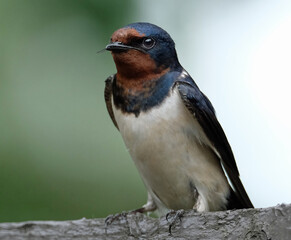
(142, 50)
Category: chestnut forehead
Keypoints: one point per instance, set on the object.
(124, 35)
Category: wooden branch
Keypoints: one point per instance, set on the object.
(264, 224)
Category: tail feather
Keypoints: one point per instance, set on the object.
(235, 203)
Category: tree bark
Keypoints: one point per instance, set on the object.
(264, 224)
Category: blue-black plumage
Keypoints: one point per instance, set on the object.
(169, 126)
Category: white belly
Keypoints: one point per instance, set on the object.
(172, 154)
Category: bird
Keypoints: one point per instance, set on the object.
(169, 126)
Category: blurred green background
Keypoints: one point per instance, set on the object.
(60, 155)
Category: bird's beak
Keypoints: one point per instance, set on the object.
(117, 46)
(120, 47)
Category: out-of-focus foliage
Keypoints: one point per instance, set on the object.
(60, 155)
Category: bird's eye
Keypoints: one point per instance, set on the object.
(148, 43)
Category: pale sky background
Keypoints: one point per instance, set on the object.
(239, 53)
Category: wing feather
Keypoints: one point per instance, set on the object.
(199, 105)
(108, 98)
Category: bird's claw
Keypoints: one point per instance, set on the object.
(177, 215)
(113, 217)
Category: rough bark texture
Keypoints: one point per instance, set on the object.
(266, 224)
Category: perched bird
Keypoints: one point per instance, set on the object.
(169, 126)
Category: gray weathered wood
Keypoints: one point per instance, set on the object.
(264, 224)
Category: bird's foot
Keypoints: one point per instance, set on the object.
(113, 217)
(172, 220)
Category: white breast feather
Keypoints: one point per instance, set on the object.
(170, 150)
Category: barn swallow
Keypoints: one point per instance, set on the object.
(169, 126)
